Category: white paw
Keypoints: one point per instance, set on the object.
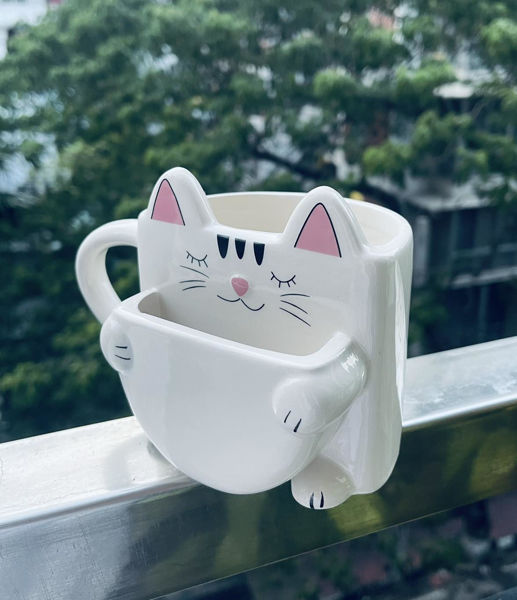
(116, 346)
(296, 411)
(320, 500)
(122, 354)
(323, 484)
(293, 421)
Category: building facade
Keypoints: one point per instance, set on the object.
(466, 253)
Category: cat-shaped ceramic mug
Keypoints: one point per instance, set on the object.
(269, 341)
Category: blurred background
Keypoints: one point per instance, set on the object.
(412, 105)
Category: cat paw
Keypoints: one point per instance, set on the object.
(122, 354)
(296, 411)
(116, 346)
(293, 421)
(322, 484)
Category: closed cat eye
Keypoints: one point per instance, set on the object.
(281, 282)
(199, 261)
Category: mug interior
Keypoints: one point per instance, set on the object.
(162, 303)
(270, 211)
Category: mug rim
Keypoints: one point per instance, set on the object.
(367, 214)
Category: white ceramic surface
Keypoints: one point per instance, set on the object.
(269, 341)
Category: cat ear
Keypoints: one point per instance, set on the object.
(324, 223)
(166, 207)
(179, 199)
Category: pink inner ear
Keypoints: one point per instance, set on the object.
(166, 207)
(318, 233)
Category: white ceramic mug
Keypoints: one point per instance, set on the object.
(269, 341)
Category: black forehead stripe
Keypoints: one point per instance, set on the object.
(239, 247)
(222, 242)
(259, 252)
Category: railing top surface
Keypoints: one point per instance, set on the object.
(457, 382)
(87, 487)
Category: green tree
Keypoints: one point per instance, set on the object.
(101, 97)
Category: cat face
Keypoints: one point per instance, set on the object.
(284, 291)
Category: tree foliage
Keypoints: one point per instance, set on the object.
(101, 97)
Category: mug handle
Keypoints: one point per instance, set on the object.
(90, 264)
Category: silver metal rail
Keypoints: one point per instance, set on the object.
(95, 513)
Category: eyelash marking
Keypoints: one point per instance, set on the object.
(199, 261)
(281, 282)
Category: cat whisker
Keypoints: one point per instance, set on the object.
(193, 281)
(193, 287)
(295, 306)
(295, 316)
(294, 294)
(195, 271)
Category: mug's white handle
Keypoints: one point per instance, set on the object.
(90, 264)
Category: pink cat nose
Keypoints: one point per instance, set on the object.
(240, 285)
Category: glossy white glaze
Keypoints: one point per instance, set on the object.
(238, 388)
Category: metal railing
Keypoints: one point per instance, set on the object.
(96, 513)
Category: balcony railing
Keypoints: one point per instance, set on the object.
(94, 512)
